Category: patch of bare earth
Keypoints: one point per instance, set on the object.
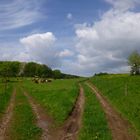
(119, 127)
(43, 121)
(5, 122)
(72, 125)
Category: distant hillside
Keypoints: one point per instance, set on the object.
(30, 69)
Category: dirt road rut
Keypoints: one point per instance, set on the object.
(119, 127)
(43, 121)
(4, 123)
(72, 125)
(70, 128)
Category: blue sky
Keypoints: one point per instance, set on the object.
(54, 15)
(77, 36)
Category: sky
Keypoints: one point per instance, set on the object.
(81, 37)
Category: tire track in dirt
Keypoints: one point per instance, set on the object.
(70, 128)
(5, 122)
(72, 125)
(119, 127)
(43, 121)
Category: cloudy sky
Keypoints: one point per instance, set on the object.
(80, 37)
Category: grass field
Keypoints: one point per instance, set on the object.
(23, 121)
(123, 91)
(94, 125)
(57, 97)
(5, 96)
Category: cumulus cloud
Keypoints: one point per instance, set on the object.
(105, 45)
(41, 48)
(99, 47)
(44, 40)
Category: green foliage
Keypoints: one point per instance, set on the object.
(5, 97)
(57, 74)
(23, 122)
(56, 97)
(123, 92)
(134, 62)
(94, 125)
(101, 73)
(31, 69)
(8, 69)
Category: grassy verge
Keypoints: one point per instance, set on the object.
(123, 91)
(5, 96)
(94, 125)
(56, 97)
(23, 122)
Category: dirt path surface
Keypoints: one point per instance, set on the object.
(43, 121)
(72, 125)
(4, 123)
(119, 127)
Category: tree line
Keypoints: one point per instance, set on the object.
(30, 69)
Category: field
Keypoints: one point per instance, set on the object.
(5, 96)
(22, 122)
(51, 110)
(123, 91)
(94, 120)
(57, 98)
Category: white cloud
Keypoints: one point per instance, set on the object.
(18, 13)
(105, 45)
(41, 48)
(12, 51)
(123, 4)
(69, 16)
(39, 40)
(66, 53)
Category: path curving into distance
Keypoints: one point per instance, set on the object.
(119, 127)
(5, 122)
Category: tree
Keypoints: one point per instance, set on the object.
(30, 69)
(4, 73)
(57, 74)
(14, 68)
(34, 69)
(134, 62)
(9, 69)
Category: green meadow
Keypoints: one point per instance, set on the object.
(123, 91)
(58, 97)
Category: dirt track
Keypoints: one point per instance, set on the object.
(119, 127)
(4, 123)
(72, 125)
(43, 121)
